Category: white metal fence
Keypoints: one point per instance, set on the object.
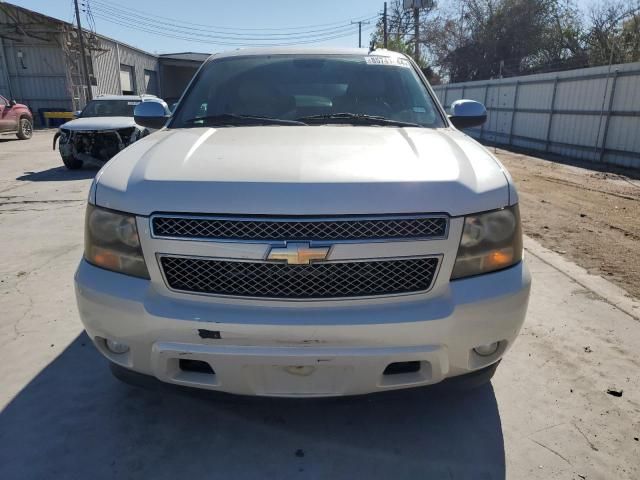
(591, 114)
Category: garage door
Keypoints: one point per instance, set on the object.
(150, 82)
(127, 80)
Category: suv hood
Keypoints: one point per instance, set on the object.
(304, 170)
(99, 123)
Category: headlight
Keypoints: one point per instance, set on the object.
(490, 241)
(111, 241)
(64, 135)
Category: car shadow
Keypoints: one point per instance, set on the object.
(74, 420)
(59, 174)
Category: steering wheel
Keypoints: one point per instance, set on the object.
(376, 106)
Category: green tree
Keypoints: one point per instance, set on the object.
(614, 33)
(480, 39)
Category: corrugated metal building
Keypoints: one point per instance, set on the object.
(592, 113)
(120, 68)
(40, 64)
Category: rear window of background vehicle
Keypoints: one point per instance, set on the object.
(110, 108)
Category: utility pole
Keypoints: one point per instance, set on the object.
(384, 22)
(416, 33)
(83, 64)
(359, 31)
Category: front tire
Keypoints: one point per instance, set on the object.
(71, 162)
(25, 129)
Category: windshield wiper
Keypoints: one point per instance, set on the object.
(355, 119)
(233, 119)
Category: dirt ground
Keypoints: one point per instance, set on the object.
(591, 217)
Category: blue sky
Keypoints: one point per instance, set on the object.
(222, 18)
(228, 14)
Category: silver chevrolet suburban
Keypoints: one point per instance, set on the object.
(305, 223)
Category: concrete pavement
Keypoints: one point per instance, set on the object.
(547, 414)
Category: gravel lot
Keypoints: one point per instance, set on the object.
(547, 414)
(591, 217)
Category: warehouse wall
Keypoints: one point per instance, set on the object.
(591, 114)
(43, 65)
(106, 64)
(5, 88)
(37, 74)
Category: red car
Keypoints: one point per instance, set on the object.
(15, 117)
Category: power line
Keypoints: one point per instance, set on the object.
(114, 16)
(83, 61)
(203, 40)
(231, 30)
(90, 20)
(73, 12)
(218, 40)
(360, 23)
(176, 27)
(216, 35)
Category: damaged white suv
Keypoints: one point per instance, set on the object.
(307, 223)
(104, 128)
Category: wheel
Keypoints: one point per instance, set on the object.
(25, 129)
(71, 162)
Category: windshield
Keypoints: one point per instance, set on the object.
(110, 108)
(305, 87)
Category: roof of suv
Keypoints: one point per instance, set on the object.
(240, 52)
(141, 98)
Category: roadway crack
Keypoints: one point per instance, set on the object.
(551, 450)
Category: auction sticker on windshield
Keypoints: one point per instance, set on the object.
(395, 62)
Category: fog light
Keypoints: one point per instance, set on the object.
(117, 347)
(487, 350)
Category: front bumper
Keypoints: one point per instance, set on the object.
(320, 351)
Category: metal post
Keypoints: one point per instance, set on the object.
(5, 67)
(486, 92)
(416, 33)
(606, 121)
(497, 110)
(553, 101)
(118, 60)
(444, 100)
(513, 112)
(83, 63)
(384, 21)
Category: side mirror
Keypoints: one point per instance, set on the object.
(152, 113)
(467, 113)
(12, 103)
(77, 113)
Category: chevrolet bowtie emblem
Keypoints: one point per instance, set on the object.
(298, 253)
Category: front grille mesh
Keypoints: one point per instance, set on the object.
(316, 280)
(251, 229)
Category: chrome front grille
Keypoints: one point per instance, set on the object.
(316, 280)
(273, 229)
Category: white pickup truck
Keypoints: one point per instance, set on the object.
(305, 223)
